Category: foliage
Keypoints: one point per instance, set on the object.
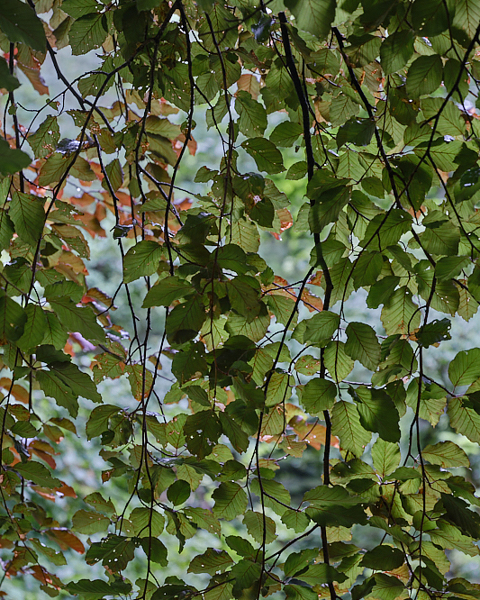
(379, 101)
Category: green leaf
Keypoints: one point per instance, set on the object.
(431, 17)
(467, 305)
(253, 116)
(34, 329)
(386, 456)
(98, 420)
(298, 521)
(298, 561)
(230, 501)
(356, 131)
(154, 549)
(446, 454)
(424, 76)
(254, 330)
(240, 545)
(322, 573)
(321, 327)
(12, 160)
(53, 386)
(94, 589)
(279, 390)
(338, 362)
(212, 561)
(467, 16)
(450, 266)
(449, 537)
(114, 551)
(386, 231)
(244, 234)
(381, 292)
(262, 29)
(440, 239)
(432, 400)
(24, 429)
(167, 291)
(224, 591)
(318, 395)
(99, 503)
(179, 492)
(243, 293)
(295, 591)
(55, 333)
(20, 24)
(79, 382)
(162, 127)
(346, 425)
(114, 173)
(245, 573)
(400, 314)
(89, 522)
(444, 155)
(44, 141)
(7, 80)
(190, 362)
(265, 154)
(12, 319)
(464, 419)
(38, 473)
(147, 522)
(396, 51)
(314, 16)
(282, 308)
(87, 33)
(367, 268)
(334, 515)
(387, 587)
(465, 367)
(74, 318)
(286, 134)
(57, 558)
(383, 558)
(28, 216)
(6, 230)
(457, 512)
(141, 260)
(433, 332)
(80, 8)
(377, 413)
(327, 208)
(362, 345)
(260, 528)
(342, 109)
(323, 495)
(185, 320)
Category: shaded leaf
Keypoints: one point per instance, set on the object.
(89, 522)
(20, 24)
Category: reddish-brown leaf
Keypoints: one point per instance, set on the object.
(66, 539)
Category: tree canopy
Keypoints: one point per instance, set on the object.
(234, 372)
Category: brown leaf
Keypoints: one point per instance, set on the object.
(17, 391)
(249, 83)
(315, 435)
(66, 539)
(35, 78)
(312, 302)
(316, 279)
